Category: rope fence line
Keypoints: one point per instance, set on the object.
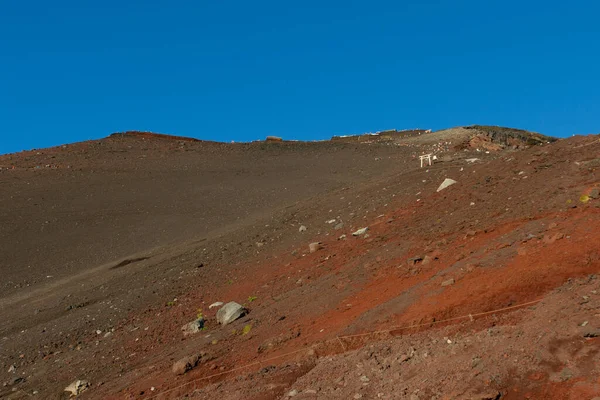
(471, 317)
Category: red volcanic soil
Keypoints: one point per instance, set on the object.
(484, 290)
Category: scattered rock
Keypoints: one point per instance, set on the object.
(342, 237)
(361, 231)
(313, 247)
(292, 393)
(447, 182)
(186, 364)
(426, 260)
(12, 369)
(193, 327)
(492, 395)
(339, 226)
(302, 228)
(412, 261)
(549, 239)
(591, 332)
(77, 387)
(216, 304)
(14, 381)
(230, 312)
(448, 282)
(274, 139)
(566, 374)
(471, 160)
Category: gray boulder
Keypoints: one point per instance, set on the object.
(193, 327)
(230, 312)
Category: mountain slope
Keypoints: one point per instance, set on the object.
(517, 224)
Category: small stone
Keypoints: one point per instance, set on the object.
(551, 239)
(313, 247)
(361, 231)
(426, 260)
(186, 364)
(193, 327)
(448, 282)
(358, 396)
(364, 378)
(591, 333)
(491, 395)
(292, 393)
(77, 387)
(216, 304)
(412, 261)
(584, 323)
(342, 237)
(302, 228)
(12, 369)
(447, 182)
(339, 226)
(594, 193)
(566, 374)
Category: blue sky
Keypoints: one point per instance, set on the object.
(240, 70)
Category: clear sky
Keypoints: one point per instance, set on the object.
(73, 70)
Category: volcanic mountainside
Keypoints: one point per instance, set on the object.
(485, 289)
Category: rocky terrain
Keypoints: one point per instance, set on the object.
(485, 289)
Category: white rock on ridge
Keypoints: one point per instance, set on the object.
(230, 312)
(361, 231)
(447, 182)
